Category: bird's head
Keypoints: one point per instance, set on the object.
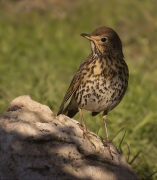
(105, 40)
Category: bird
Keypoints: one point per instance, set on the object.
(100, 81)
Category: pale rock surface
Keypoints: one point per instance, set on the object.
(35, 144)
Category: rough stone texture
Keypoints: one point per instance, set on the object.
(37, 145)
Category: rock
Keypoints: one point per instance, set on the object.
(36, 145)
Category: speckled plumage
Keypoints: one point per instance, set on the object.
(102, 79)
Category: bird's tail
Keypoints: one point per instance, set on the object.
(70, 110)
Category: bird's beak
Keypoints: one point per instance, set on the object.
(88, 36)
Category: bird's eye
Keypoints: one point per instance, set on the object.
(103, 39)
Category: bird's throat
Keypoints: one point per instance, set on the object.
(95, 50)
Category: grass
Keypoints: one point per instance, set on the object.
(41, 49)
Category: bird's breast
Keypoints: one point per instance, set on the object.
(100, 89)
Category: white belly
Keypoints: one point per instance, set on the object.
(99, 96)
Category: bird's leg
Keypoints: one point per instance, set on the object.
(104, 120)
(84, 129)
(107, 143)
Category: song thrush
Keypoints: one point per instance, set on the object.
(101, 80)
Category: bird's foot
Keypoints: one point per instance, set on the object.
(107, 144)
(85, 134)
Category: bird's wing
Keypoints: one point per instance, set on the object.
(73, 86)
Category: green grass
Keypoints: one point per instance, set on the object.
(41, 49)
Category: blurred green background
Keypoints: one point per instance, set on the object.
(41, 49)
